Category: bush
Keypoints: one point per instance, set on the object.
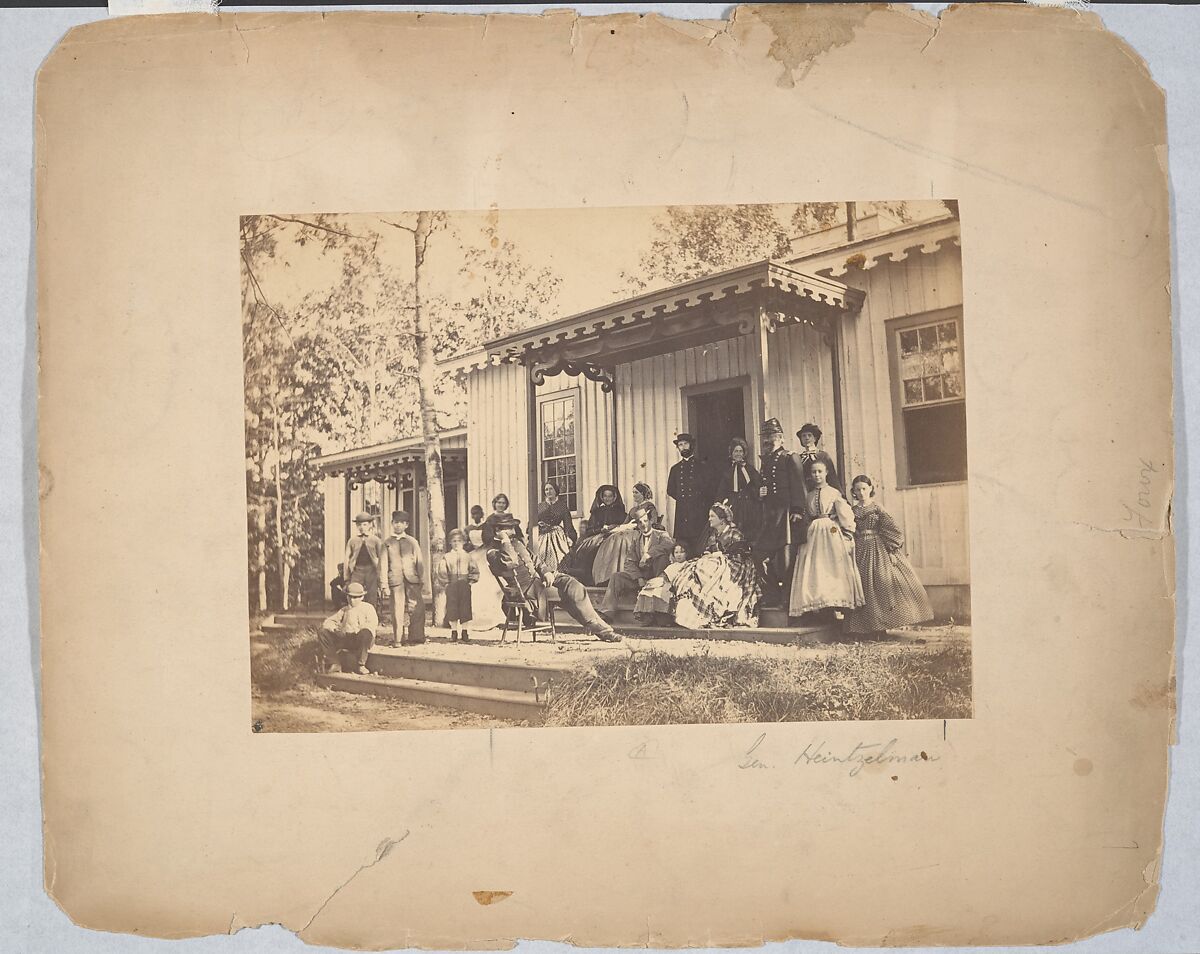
(288, 661)
(852, 682)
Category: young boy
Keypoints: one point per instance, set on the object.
(337, 588)
(364, 550)
(350, 630)
(403, 574)
(456, 571)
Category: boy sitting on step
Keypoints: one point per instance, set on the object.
(350, 630)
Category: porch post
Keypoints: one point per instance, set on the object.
(760, 365)
(835, 349)
(531, 413)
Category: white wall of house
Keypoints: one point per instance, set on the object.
(650, 405)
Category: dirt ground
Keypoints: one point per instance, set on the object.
(311, 709)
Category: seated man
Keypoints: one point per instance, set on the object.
(513, 565)
(648, 557)
(350, 630)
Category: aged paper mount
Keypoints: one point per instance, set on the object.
(1038, 820)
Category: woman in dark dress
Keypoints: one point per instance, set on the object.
(555, 529)
(738, 483)
(810, 437)
(610, 558)
(607, 512)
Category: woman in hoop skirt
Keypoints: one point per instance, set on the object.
(613, 551)
(486, 612)
(826, 577)
(721, 587)
(607, 512)
(893, 595)
(555, 532)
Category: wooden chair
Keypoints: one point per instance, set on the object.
(516, 603)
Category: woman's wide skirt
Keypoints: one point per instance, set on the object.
(716, 590)
(552, 546)
(826, 576)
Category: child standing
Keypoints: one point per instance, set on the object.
(893, 595)
(456, 571)
(826, 576)
(655, 598)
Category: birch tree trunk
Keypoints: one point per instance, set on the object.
(426, 378)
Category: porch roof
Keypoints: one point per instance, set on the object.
(368, 461)
(701, 311)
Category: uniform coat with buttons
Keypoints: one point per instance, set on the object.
(784, 483)
(688, 485)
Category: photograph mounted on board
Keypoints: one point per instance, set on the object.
(624, 466)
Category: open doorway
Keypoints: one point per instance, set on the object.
(715, 415)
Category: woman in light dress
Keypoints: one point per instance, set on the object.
(555, 530)
(826, 576)
(893, 595)
(721, 587)
(486, 612)
(613, 551)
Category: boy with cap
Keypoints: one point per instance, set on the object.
(350, 630)
(403, 574)
(687, 485)
(364, 550)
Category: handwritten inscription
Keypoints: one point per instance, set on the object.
(1141, 514)
(853, 758)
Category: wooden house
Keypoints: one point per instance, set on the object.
(864, 338)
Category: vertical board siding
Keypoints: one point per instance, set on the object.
(498, 437)
(933, 518)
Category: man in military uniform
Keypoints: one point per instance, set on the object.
(688, 486)
(782, 498)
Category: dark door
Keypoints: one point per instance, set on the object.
(714, 419)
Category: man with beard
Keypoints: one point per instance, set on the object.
(781, 494)
(688, 486)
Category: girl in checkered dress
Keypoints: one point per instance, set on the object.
(894, 596)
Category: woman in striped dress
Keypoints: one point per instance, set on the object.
(894, 597)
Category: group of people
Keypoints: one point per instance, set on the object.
(781, 535)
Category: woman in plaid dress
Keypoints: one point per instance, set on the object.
(720, 587)
(894, 596)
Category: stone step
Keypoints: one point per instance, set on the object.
(482, 674)
(502, 703)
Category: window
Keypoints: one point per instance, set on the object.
(931, 433)
(556, 447)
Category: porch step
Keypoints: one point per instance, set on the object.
(769, 618)
(480, 674)
(780, 636)
(502, 703)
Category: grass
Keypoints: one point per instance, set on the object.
(287, 661)
(860, 681)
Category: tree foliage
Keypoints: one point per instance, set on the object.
(337, 366)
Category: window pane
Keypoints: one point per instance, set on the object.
(936, 438)
(908, 342)
(948, 332)
(928, 338)
(912, 366)
(953, 385)
(951, 361)
(933, 388)
(932, 364)
(912, 392)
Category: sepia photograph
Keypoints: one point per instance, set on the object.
(619, 466)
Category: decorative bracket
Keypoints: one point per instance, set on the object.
(540, 370)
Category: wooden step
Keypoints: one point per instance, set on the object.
(482, 674)
(781, 636)
(502, 703)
